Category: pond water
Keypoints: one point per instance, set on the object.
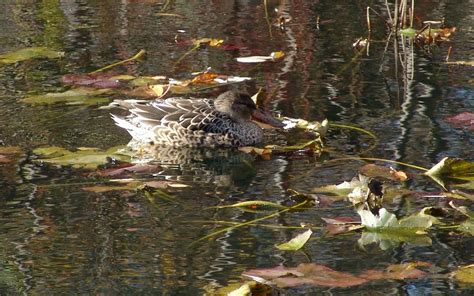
(59, 236)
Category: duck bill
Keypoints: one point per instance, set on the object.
(265, 117)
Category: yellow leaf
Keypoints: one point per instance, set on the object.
(277, 55)
(158, 89)
(216, 42)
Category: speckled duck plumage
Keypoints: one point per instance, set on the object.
(223, 122)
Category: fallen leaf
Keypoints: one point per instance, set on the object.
(307, 274)
(274, 56)
(397, 272)
(255, 150)
(451, 168)
(319, 275)
(89, 158)
(75, 96)
(205, 78)
(253, 204)
(464, 119)
(158, 89)
(464, 274)
(97, 80)
(297, 242)
(10, 154)
(374, 171)
(29, 53)
(114, 187)
(210, 41)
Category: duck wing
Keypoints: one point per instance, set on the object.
(189, 114)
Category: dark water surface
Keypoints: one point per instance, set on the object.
(56, 238)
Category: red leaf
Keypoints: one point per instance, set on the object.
(465, 119)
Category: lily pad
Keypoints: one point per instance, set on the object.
(29, 53)
(76, 96)
(297, 242)
(89, 158)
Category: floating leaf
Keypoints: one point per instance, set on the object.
(260, 59)
(10, 154)
(464, 274)
(306, 274)
(76, 96)
(133, 185)
(320, 275)
(82, 158)
(297, 242)
(397, 272)
(29, 53)
(158, 89)
(341, 225)
(374, 171)
(98, 80)
(254, 150)
(253, 204)
(246, 289)
(464, 119)
(146, 80)
(467, 227)
(451, 168)
(210, 41)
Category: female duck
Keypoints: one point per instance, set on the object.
(225, 122)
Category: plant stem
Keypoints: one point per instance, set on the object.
(135, 57)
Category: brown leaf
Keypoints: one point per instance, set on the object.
(397, 272)
(374, 171)
(205, 78)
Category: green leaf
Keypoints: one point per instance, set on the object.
(390, 239)
(451, 168)
(76, 96)
(297, 242)
(89, 158)
(409, 32)
(464, 274)
(29, 53)
(253, 204)
(467, 227)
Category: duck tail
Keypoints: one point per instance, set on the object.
(123, 123)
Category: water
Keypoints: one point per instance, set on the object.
(59, 238)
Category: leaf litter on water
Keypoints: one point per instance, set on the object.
(29, 53)
(297, 242)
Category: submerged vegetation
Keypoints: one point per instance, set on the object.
(380, 210)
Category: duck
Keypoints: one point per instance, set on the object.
(197, 122)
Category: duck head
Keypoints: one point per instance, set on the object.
(241, 107)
